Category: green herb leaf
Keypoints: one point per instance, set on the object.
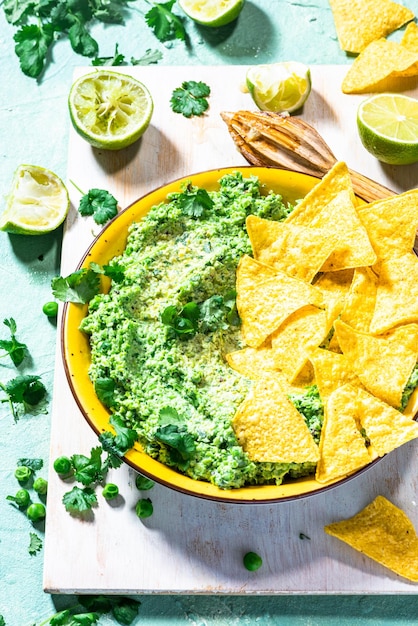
(79, 500)
(116, 59)
(16, 10)
(26, 390)
(32, 44)
(81, 40)
(78, 287)
(178, 438)
(165, 24)
(14, 348)
(150, 56)
(191, 98)
(34, 464)
(88, 470)
(183, 323)
(100, 204)
(193, 201)
(35, 544)
(105, 390)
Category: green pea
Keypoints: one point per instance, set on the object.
(22, 498)
(144, 508)
(50, 309)
(63, 466)
(23, 473)
(252, 561)
(143, 483)
(110, 491)
(40, 486)
(36, 512)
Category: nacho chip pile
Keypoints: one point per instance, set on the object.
(381, 65)
(384, 533)
(330, 298)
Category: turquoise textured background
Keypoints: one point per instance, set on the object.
(34, 126)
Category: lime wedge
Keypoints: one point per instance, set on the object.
(37, 202)
(388, 127)
(279, 87)
(212, 13)
(110, 110)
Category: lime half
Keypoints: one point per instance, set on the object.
(110, 110)
(388, 127)
(37, 202)
(213, 13)
(279, 87)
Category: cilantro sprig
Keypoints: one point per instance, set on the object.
(17, 350)
(191, 98)
(23, 393)
(164, 23)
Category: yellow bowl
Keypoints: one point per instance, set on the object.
(76, 351)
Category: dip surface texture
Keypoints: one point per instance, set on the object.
(161, 334)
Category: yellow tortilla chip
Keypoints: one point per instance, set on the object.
(397, 293)
(270, 429)
(384, 533)
(251, 272)
(342, 447)
(391, 223)
(379, 63)
(383, 363)
(354, 248)
(360, 301)
(335, 180)
(252, 362)
(268, 303)
(359, 23)
(334, 287)
(410, 37)
(304, 329)
(291, 248)
(332, 370)
(386, 427)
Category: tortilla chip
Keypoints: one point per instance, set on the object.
(384, 533)
(358, 25)
(360, 301)
(270, 429)
(332, 370)
(385, 427)
(304, 329)
(252, 362)
(397, 293)
(265, 305)
(379, 63)
(383, 363)
(291, 248)
(334, 287)
(391, 223)
(342, 447)
(354, 248)
(335, 180)
(251, 272)
(410, 37)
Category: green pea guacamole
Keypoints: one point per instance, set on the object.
(162, 332)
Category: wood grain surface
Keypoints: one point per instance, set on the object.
(192, 545)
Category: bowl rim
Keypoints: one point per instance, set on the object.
(257, 494)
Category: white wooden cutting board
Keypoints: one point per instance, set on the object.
(192, 545)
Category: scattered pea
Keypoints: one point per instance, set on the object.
(252, 561)
(143, 483)
(40, 486)
(63, 466)
(36, 512)
(50, 309)
(23, 473)
(21, 498)
(110, 491)
(144, 508)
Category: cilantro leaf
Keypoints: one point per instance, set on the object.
(150, 56)
(34, 464)
(115, 271)
(26, 390)
(88, 470)
(35, 544)
(100, 204)
(81, 41)
(164, 23)
(116, 59)
(193, 201)
(105, 389)
(79, 500)
(16, 10)
(14, 348)
(191, 98)
(32, 44)
(179, 440)
(184, 322)
(117, 445)
(78, 287)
